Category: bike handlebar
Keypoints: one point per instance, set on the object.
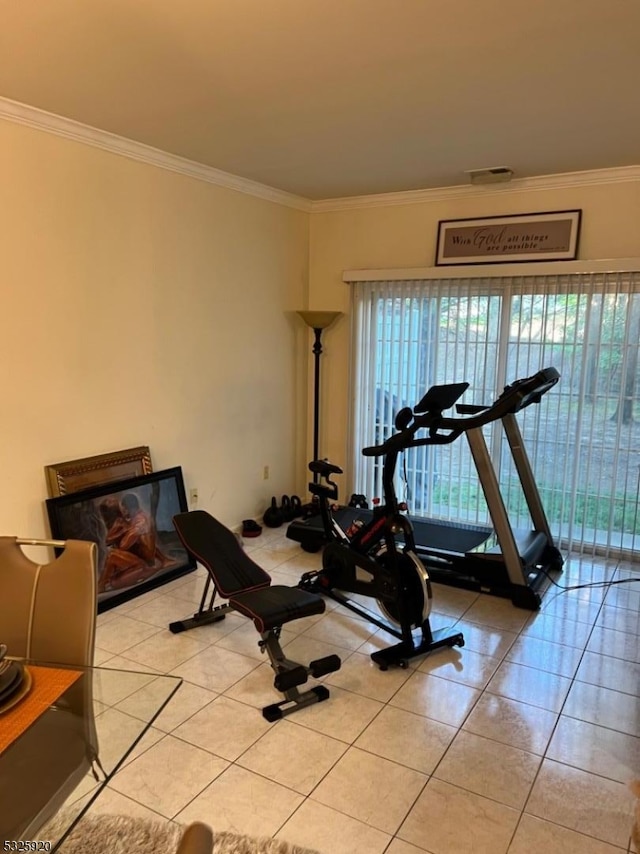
(515, 397)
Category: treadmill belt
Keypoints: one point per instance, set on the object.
(346, 515)
(440, 536)
(447, 537)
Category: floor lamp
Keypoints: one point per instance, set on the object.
(317, 320)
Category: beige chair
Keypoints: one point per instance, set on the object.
(196, 839)
(48, 611)
(48, 614)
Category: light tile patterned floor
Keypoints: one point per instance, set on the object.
(523, 740)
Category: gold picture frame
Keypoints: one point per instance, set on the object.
(74, 475)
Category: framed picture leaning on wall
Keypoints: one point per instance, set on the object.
(131, 522)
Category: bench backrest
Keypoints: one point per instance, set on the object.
(219, 551)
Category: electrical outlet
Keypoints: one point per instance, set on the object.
(265, 473)
(193, 497)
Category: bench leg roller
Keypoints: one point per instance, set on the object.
(290, 674)
(322, 666)
(288, 679)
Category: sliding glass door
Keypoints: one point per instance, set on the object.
(583, 438)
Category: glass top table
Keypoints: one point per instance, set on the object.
(54, 770)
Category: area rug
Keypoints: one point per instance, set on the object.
(119, 834)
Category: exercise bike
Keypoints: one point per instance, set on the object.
(376, 557)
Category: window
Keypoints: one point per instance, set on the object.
(583, 439)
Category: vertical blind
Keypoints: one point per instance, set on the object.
(582, 438)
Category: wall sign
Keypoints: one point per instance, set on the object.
(549, 236)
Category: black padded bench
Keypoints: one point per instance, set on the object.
(233, 576)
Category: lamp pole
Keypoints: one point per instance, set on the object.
(317, 320)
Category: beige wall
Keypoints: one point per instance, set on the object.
(140, 306)
(404, 236)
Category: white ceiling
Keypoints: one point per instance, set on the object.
(334, 98)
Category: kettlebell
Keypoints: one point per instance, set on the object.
(311, 508)
(296, 506)
(359, 501)
(285, 507)
(273, 515)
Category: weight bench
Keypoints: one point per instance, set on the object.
(233, 576)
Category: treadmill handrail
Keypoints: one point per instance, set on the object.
(515, 397)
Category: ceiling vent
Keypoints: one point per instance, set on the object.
(494, 175)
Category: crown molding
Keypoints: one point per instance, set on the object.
(617, 175)
(24, 114)
(14, 111)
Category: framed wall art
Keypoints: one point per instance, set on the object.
(131, 522)
(548, 236)
(74, 475)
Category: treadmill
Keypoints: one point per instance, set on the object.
(497, 560)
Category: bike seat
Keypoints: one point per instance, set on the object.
(324, 468)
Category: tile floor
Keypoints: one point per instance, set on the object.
(523, 740)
